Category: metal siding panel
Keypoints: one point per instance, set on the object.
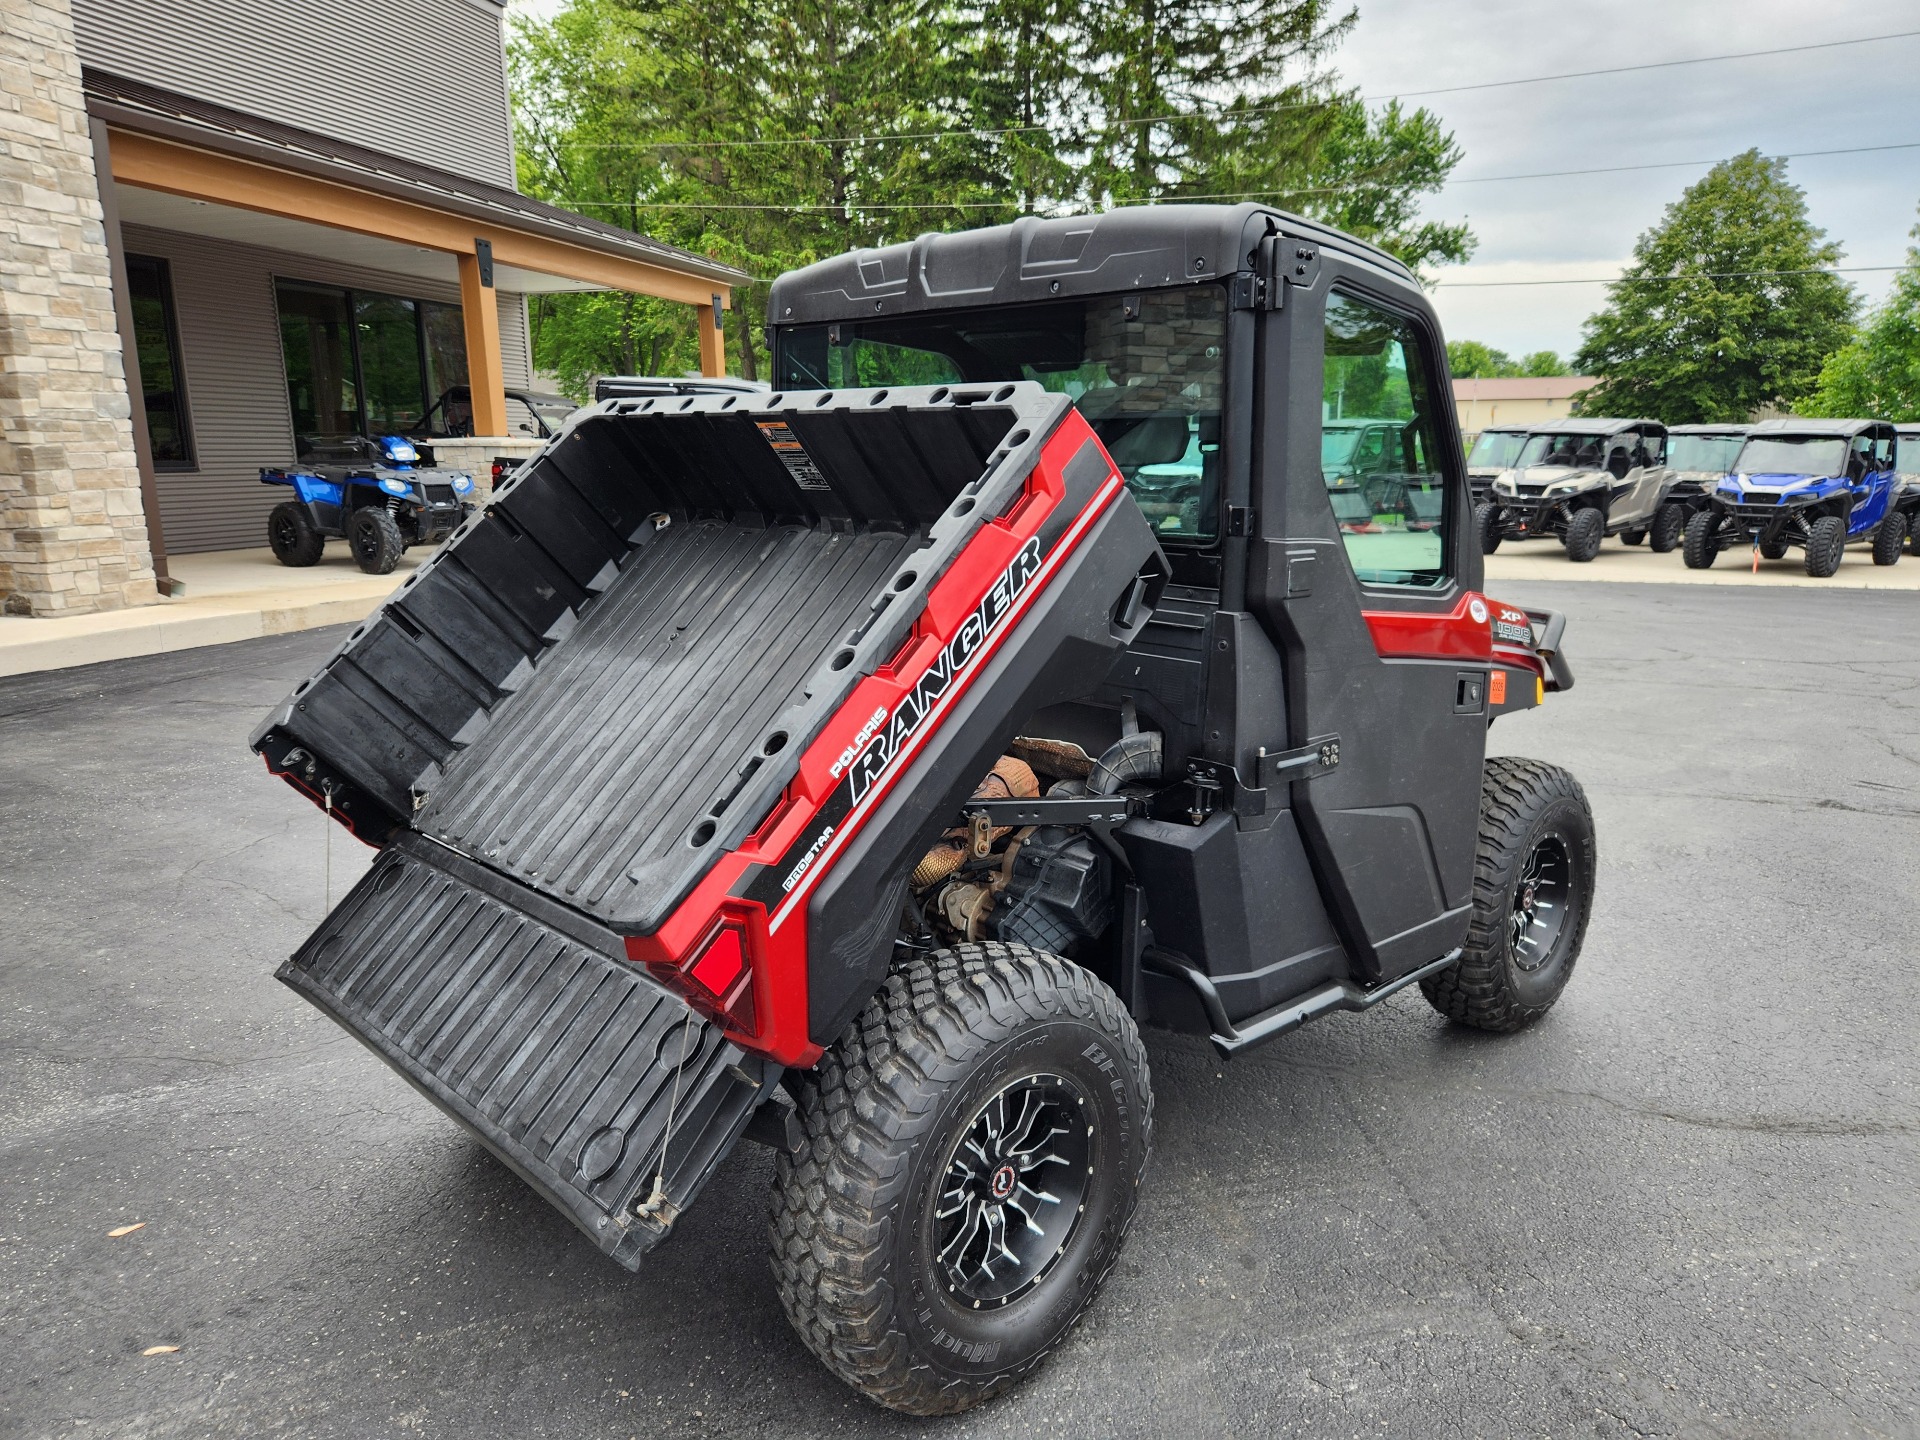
(516, 348)
(234, 378)
(331, 68)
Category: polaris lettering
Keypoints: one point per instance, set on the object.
(888, 740)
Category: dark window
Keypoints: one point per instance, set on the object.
(156, 338)
(360, 363)
(1146, 370)
(1379, 448)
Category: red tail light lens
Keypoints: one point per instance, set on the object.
(719, 982)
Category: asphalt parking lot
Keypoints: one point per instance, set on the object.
(1686, 1204)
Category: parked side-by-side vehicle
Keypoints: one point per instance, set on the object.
(856, 767)
(1699, 457)
(1810, 485)
(1580, 481)
(1494, 452)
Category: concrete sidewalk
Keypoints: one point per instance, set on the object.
(1547, 560)
(230, 595)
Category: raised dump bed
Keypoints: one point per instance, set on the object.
(652, 707)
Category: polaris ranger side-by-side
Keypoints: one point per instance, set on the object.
(1699, 457)
(1494, 451)
(856, 767)
(1806, 484)
(1580, 481)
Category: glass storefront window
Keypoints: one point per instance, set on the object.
(156, 338)
(360, 363)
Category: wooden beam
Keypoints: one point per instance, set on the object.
(709, 318)
(152, 163)
(486, 380)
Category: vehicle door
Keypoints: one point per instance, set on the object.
(1867, 480)
(1383, 638)
(1648, 475)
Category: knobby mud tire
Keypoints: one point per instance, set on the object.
(1524, 806)
(853, 1227)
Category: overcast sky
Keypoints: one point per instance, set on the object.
(1585, 226)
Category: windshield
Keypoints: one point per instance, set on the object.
(1714, 454)
(1495, 449)
(1336, 448)
(1906, 455)
(1146, 370)
(1821, 455)
(1572, 451)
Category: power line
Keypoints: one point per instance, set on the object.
(992, 132)
(802, 208)
(1670, 279)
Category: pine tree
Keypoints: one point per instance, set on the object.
(1727, 306)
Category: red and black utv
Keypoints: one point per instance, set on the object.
(856, 766)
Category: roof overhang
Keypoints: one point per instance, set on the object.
(186, 147)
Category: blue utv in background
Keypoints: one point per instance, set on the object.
(1811, 484)
(371, 493)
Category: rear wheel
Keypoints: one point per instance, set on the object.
(1669, 523)
(293, 536)
(1773, 549)
(1888, 536)
(1486, 524)
(973, 1147)
(1532, 891)
(376, 540)
(1826, 543)
(1701, 545)
(1632, 537)
(1585, 530)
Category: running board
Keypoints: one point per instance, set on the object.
(1231, 1039)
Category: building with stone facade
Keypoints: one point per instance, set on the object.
(227, 229)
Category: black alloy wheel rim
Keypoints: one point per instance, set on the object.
(366, 542)
(1540, 903)
(1013, 1191)
(286, 534)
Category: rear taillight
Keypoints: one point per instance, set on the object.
(718, 981)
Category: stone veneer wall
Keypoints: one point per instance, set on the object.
(73, 536)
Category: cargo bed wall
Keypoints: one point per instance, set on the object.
(598, 682)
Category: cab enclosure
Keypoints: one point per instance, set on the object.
(1494, 451)
(1809, 485)
(1013, 645)
(1581, 480)
(1698, 458)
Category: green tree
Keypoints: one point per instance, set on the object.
(1726, 306)
(1877, 374)
(1470, 360)
(1543, 363)
(771, 136)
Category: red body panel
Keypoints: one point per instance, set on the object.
(1459, 634)
(777, 942)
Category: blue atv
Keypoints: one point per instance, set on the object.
(370, 493)
(1814, 484)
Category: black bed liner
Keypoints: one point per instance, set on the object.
(591, 779)
(606, 679)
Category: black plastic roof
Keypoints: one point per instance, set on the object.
(1793, 425)
(1133, 248)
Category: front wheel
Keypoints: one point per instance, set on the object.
(1488, 526)
(1532, 891)
(376, 540)
(1585, 530)
(1826, 543)
(1700, 546)
(973, 1148)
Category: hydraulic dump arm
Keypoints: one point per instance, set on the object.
(652, 743)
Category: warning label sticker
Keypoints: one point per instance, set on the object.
(793, 455)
